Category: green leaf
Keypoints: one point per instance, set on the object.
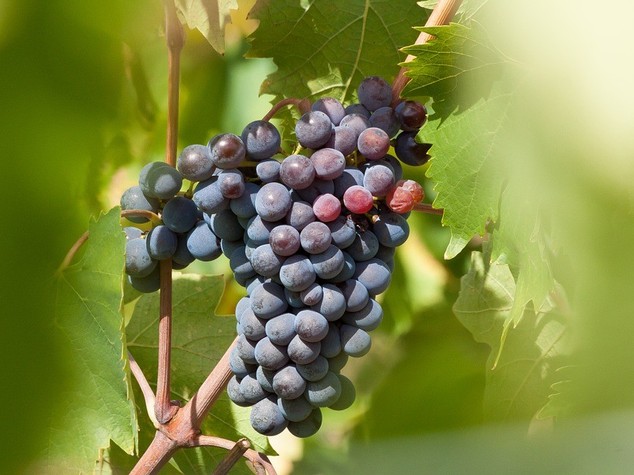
(466, 167)
(456, 68)
(199, 339)
(98, 405)
(518, 385)
(326, 48)
(209, 17)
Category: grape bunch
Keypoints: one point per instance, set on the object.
(310, 235)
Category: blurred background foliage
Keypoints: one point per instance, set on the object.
(83, 95)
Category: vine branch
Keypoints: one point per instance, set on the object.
(303, 105)
(442, 14)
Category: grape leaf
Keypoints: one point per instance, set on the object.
(466, 167)
(519, 384)
(327, 47)
(98, 404)
(199, 339)
(209, 17)
(456, 68)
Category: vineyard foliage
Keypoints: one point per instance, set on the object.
(506, 341)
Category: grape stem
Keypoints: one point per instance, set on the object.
(72, 251)
(427, 208)
(442, 14)
(164, 408)
(146, 390)
(303, 105)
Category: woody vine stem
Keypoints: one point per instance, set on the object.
(179, 427)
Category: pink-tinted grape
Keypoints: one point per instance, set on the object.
(358, 199)
(373, 143)
(327, 208)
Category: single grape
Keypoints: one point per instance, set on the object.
(238, 365)
(280, 329)
(303, 352)
(355, 341)
(297, 172)
(138, 262)
(240, 265)
(132, 233)
(378, 179)
(313, 129)
(259, 231)
(265, 378)
(233, 391)
(342, 231)
(331, 107)
(328, 163)
(231, 183)
(182, 257)
(284, 240)
(180, 214)
(251, 389)
(288, 383)
(133, 198)
(225, 225)
(308, 426)
(227, 151)
(385, 119)
(312, 295)
(328, 263)
(343, 139)
(374, 93)
(333, 303)
(147, 284)
(295, 410)
(208, 197)
(315, 237)
(327, 208)
(268, 170)
(266, 417)
(358, 199)
(355, 294)
(374, 275)
(202, 243)
(324, 392)
(251, 326)
(159, 180)
(253, 282)
(161, 242)
(273, 201)
(409, 151)
(246, 349)
(391, 229)
(297, 273)
(330, 346)
(399, 200)
(261, 139)
(364, 247)
(268, 300)
(265, 261)
(368, 318)
(300, 215)
(412, 115)
(373, 143)
(315, 370)
(194, 163)
(269, 355)
(310, 326)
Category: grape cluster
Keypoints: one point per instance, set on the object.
(311, 236)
